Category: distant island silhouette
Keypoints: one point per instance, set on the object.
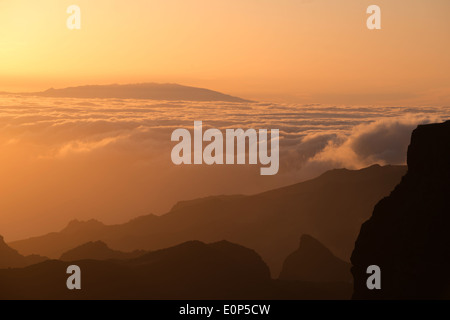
(150, 91)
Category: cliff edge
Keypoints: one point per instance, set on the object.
(408, 235)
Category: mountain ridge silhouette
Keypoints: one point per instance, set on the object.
(312, 261)
(98, 250)
(269, 222)
(191, 270)
(10, 258)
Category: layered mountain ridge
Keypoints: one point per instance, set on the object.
(332, 207)
(98, 250)
(10, 258)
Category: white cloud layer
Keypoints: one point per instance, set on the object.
(110, 159)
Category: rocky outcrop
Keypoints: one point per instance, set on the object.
(312, 261)
(408, 235)
(191, 270)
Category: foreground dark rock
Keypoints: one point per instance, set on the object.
(408, 234)
(192, 270)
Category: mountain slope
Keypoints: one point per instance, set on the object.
(10, 258)
(151, 91)
(191, 270)
(332, 207)
(312, 261)
(408, 234)
(98, 250)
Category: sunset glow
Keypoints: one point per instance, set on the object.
(298, 51)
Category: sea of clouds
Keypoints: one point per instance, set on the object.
(109, 159)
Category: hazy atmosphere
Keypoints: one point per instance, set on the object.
(126, 173)
(109, 159)
(341, 95)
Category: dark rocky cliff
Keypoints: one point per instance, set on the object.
(408, 235)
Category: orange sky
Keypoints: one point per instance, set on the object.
(110, 160)
(299, 50)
